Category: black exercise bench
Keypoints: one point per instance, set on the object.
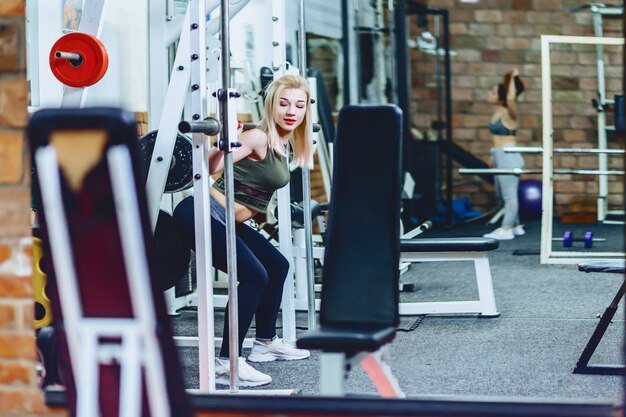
(582, 366)
(359, 299)
(453, 249)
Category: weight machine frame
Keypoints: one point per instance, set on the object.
(547, 254)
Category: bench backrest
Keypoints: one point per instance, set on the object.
(360, 274)
(83, 209)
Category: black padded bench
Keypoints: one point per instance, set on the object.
(582, 366)
(453, 249)
(359, 300)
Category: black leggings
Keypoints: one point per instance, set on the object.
(261, 272)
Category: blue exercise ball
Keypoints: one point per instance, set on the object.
(529, 197)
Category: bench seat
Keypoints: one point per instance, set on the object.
(606, 266)
(458, 244)
(339, 339)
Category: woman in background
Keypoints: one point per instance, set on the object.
(502, 126)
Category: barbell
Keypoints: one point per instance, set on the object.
(520, 171)
(538, 149)
(211, 126)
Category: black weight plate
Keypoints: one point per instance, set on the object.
(180, 175)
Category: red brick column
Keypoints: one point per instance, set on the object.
(19, 394)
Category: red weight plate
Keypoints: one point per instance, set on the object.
(95, 60)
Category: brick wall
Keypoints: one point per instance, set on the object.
(19, 394)
(493, 36)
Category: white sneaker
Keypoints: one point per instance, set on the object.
(277, 350)
(519, 230)
(248, 376)
(501, 234)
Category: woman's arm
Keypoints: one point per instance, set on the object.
(511, 94)
(251, 142)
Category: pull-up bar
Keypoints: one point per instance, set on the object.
(211, 126)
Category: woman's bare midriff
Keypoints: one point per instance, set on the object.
(242, 213)
(499, 141)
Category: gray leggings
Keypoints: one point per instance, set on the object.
(506, 185)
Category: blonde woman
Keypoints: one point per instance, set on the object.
(260, 168)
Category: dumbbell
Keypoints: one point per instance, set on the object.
(569, 239)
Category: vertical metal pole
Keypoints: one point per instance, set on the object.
(623, 159)
(345, 44)
(350, 46)
(306, 189)
(547, 178)
(355, 59)
(189, 71)
(447, 70)
(231, 248)
(402, 77)
(603, 180)
(302, 40)
(379, 53)
(393, 48)
(279, 60)
(440, 143)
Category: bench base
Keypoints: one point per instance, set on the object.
(484, 306)
(334, 367)
(582, 365)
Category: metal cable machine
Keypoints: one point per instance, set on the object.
(408, 8)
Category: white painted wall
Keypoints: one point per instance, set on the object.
(124, 35)
(323, 17)
(251, 34)
(253, 23)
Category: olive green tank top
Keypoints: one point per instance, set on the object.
(256, 181)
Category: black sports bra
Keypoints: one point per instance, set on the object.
(498, 128)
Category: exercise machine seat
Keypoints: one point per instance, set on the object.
(457, 244)
(350, 340)
(607, 266)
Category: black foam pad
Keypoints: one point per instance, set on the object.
(455, 244)
(350, 340)
(172, 255)
(608, 266)
(360, 275)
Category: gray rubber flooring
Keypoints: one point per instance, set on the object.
(548, 313)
